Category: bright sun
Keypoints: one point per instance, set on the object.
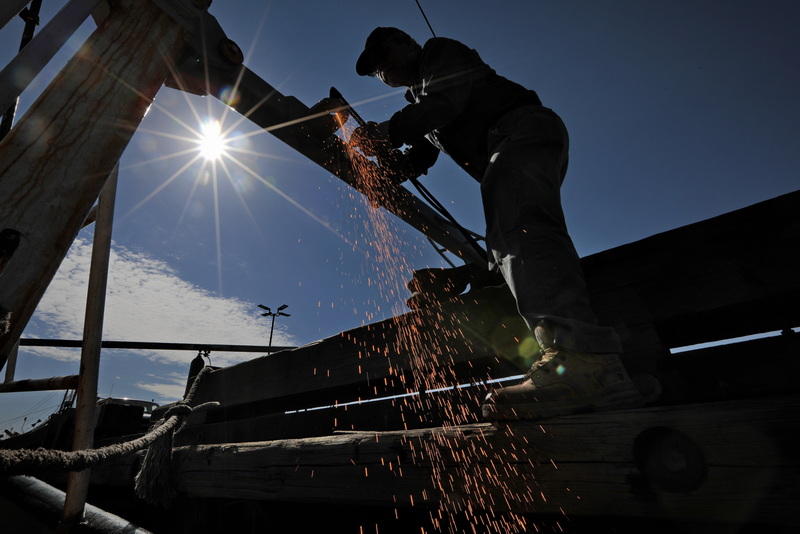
(212, 142)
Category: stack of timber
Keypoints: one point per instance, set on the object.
(359, 421)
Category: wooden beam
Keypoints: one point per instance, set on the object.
(662, 463)
(708, 375)
(86, 399)
(40, 384)
(418, 342)
(715, 373)
(54, 163)
(728, 276)
(11, 365)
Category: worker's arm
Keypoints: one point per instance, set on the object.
(449, 69)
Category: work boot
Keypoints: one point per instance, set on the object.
(564, 382)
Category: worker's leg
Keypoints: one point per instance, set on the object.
(527, 234)
(580, 369)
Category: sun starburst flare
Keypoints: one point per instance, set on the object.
(213, 142)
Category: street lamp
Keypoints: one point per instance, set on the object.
(273, 314)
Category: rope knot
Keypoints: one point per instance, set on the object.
(179, 410)
(152, 482)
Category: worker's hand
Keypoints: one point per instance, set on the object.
(372, 138)
(396, 166)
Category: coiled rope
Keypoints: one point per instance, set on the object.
(152, 480)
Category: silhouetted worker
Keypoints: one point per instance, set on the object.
(499, 133)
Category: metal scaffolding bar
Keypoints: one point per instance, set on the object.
(155, 345)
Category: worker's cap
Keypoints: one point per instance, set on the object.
(373, 49)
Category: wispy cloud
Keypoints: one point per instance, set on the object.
(172, 386)
(147, 301)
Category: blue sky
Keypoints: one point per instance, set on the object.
(677, 111)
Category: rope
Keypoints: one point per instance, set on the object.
(158, 442)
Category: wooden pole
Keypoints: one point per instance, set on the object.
(40, 384)
(54, 163)
(11, 367)
(83, 437)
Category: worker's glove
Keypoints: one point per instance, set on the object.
(397, 167)
(372, 138)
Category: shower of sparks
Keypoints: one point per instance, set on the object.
(467, 474)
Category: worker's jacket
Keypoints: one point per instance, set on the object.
(457, 100)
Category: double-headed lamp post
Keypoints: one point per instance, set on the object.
(273, 314)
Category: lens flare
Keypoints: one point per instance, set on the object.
(229, 96)
(212, 143)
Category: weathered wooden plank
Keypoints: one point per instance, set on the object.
(41, 384)
(728, 462)
(54, 163)
(418, 342)
(728, 276)
(707, 375)
(260, 423)
(734, 370)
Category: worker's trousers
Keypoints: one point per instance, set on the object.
(526, 232)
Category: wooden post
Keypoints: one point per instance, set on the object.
(54, 163)
(40, 384)
(83, 436)
(11, 367)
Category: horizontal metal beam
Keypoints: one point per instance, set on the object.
(76, 343)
